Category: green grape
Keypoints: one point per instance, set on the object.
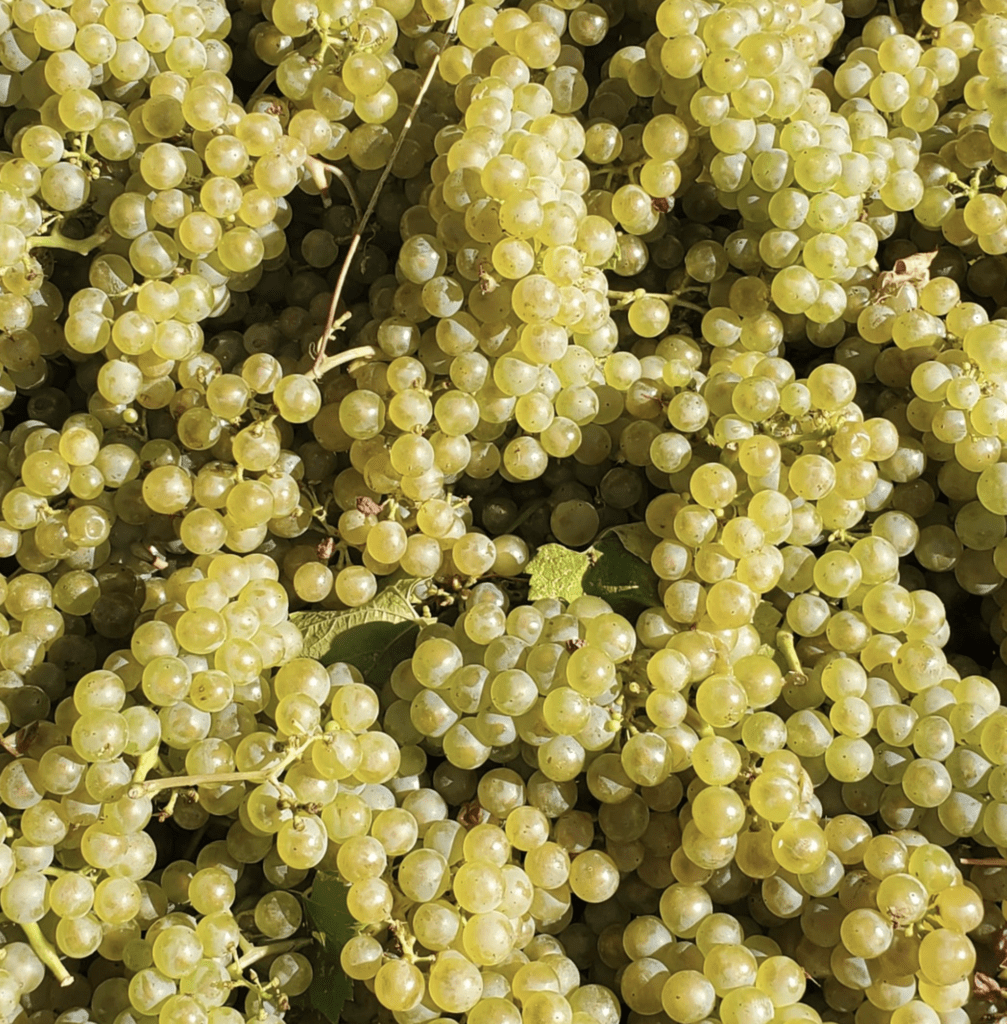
(946, 956)
(176, 951)
(71, 896)
(932, 867)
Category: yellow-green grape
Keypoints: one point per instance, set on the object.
(960, 908)
(799, 846)
(946, 956)
(297, 397)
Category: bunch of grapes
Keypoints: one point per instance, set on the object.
(324, 321)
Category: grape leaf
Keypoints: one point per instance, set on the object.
(636, 538)
(374, 647)
(556, 572)
(330, 987)
(619, 574)
(374, 637)
(332, 925)
(327, 913)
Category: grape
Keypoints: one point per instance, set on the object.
(946, 956)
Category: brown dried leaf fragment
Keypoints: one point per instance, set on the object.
(470, 814)
(914, 270)
(17, 743)
(985, 987)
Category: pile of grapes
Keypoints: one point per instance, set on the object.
(320, 318)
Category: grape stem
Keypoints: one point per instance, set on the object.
(320, 369)
(613, 170)
(318, 169)
(785, 645)
(45, 952)
(819, 437)
(968, 188)
(55, 872)
(145, 763)
(80, 155)
(399, 930)
(169, 808)
(81, 246)
(696, 723)
(257, 953)
(984, 862)
(526, 513)
(259, 776)
(672, 298)
(372, 203)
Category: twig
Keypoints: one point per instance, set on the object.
(405, 940)
(372, 203)
(57, 240)
(257, 953)
(259, 775)
(169, 808)
(984, 862)
(672, 299)
(331, 362)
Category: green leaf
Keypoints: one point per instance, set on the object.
(375, 648)
(556, 572)
(636, 539)
(332, 925)
(617, 568)
(330, 987)
(620, 574)
(326, 909)
(374, 638)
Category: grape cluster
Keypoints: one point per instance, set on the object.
(354, 309)
(546, 685)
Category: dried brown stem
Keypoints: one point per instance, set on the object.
(372, 203)
(318, 169)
